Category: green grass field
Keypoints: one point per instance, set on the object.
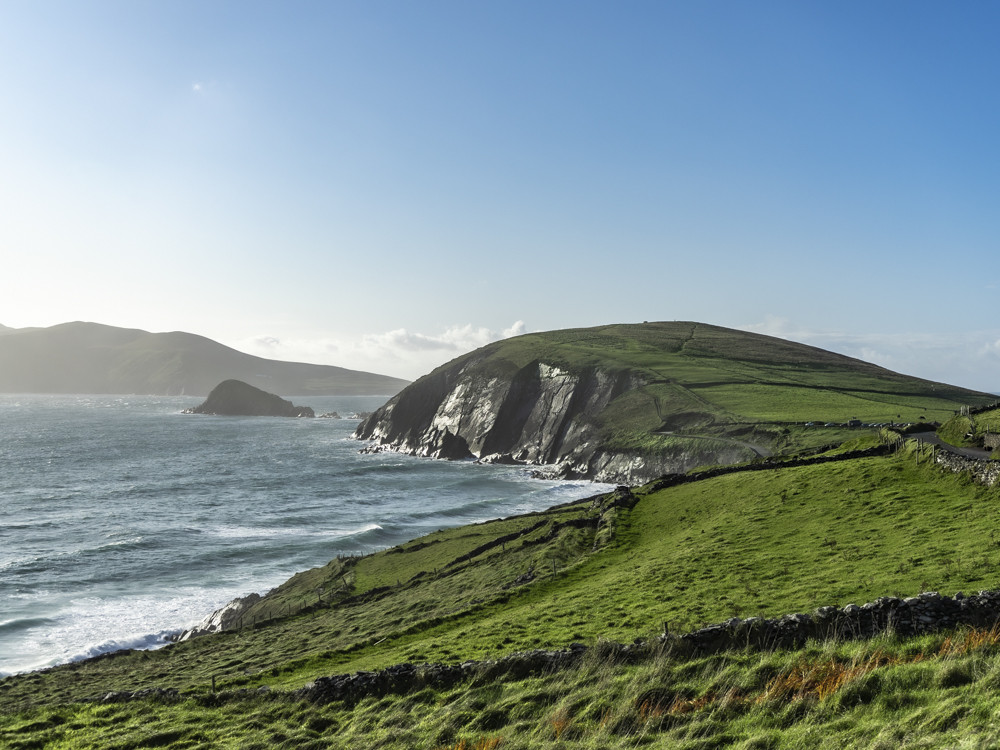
(934, 691)
(764, 542)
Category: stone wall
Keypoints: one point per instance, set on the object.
(925, 613)
(928, 612)
(986, 472)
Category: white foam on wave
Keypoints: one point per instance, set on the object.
(90, 626)
(141, 642)
(68, 552)
(266, 532)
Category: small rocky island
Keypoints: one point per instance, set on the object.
(235, 398)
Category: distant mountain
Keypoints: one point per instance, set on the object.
(93, 358)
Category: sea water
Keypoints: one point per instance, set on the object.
(124, 521)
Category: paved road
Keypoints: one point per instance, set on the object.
(931, 437)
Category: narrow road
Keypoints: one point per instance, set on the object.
(931, 437)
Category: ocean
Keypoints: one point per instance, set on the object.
(124, 522)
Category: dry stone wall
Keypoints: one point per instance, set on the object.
(925, 613)
(986, 472)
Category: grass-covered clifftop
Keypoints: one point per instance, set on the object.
(628, 402)
(615, 567)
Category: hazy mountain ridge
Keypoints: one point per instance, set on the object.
(84, 357)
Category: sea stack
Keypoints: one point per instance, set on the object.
(238, 399)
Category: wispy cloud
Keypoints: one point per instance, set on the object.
(455, 339)
(399, 352)
(968, 358)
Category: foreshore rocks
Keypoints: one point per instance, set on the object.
(238, 399)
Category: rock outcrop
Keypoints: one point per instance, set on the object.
(538, 414)
(227, 617)
(238, 399)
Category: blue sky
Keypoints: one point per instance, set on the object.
(383, 185)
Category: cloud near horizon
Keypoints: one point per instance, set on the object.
(400, 352)
(970, 359)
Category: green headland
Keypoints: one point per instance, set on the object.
(626, 403)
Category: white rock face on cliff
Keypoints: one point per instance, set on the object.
(224, 618)
(540, 414)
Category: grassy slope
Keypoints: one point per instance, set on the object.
(956, 429)
(935, 691)
(764, 542)
(727, 384)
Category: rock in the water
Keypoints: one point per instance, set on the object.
(236, 398)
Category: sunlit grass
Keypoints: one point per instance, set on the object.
(764, 542)
(932, 691)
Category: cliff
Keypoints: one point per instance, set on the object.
(627, 403)
(238, 399)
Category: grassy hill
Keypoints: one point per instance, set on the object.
(612, 568)
(668, 396)
(92, 358)
(714, 375)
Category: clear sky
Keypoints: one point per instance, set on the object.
(384, 185)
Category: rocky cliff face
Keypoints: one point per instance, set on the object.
(537, 414)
